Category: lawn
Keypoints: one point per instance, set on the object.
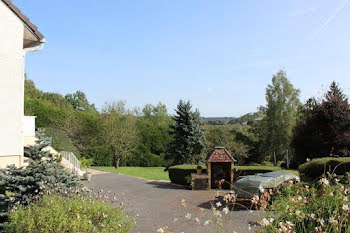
(157, 173)
(149, 173)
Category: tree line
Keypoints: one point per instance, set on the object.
(288, 131)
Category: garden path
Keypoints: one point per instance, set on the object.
(156, 204)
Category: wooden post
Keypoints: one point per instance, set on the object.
(231, 181)
(209, 175)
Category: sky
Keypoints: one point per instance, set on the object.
(220, 55)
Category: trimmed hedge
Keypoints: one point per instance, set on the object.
(316, 168)
(179, 174)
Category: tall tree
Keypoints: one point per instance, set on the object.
(281, 114)
(119, 129)
(324, 127)
(189, 143)
(80, 102)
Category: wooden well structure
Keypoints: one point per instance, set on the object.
(220, 169)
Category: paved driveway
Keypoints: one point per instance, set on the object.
(156, 204)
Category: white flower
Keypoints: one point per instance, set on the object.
(322, 222)
(225, 210)
(218, 204)
(206, 222)
(324, 181)
(265, 222)
(308, 160)
(183, 203)
(345, 207)
(197, 220)
(297, 212)
(333, 221)
(188, 216)
(300, 198)
(175, 219)
(312, 215)
(161, 230)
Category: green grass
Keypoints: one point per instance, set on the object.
(149, 173)
(157, 173)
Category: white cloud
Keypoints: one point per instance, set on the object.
(330, 18)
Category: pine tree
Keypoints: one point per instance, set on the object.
(189, 141)
(43, 175)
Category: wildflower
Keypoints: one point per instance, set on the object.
(119, 225)
(336, 180)
(321, 222)
(183, 203)
(312, 216)
(345, 207)
(297, 212)
(104, 215)
(333, 221)
(218, 204)
(325, 181)
(346, 199)
(188, 216)
(175, 220)
(206, 222)
(265, 222)
(161, 230)
(255, 199)
(300, 198)
(225, 210)
(308, 160)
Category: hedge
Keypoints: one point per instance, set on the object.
(178, 174)
(316, 168)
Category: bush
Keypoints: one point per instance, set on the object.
(180, 174)
(60, 141)
(318, 207)
(316, 168)
(55, 213)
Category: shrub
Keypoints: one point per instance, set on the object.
(319, 207)
(42, 175)
(180, 174)
(316, 168)
(60, 140)
(55, 213)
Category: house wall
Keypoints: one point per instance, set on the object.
(12, 87)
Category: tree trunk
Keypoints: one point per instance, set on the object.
(116, 157)
(288, 160)
(274, 158)
(116, 163)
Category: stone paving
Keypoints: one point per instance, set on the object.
(156, 204)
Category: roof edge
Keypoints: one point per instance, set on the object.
(25, 20)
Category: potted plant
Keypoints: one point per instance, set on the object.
(86, 163)
(199, 170)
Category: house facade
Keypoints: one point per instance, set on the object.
(18, 36)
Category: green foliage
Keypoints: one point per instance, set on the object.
(189, 142)
(324, 127)
(154, 138)
(42, 175)
(61, 214)
(60, 141)
(119, 130)
(319, 207)
(180, 174)
(47, 115)
(317, 168)
(281, 112)
(79, 101)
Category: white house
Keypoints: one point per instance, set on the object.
(17, 37)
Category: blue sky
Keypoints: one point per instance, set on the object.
(219, 54)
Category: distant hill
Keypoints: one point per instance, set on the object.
(245, 119)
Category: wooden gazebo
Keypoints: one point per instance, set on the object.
(220, 169)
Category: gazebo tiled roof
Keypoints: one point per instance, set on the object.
(220, 154)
